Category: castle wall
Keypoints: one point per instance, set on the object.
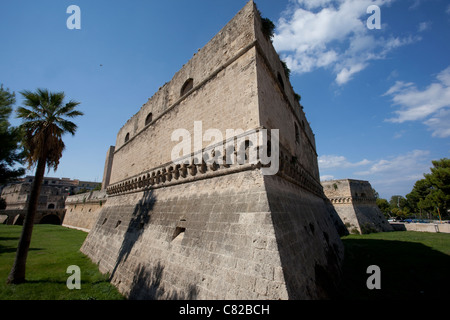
(82, 210)
(278, 107)
(223, 48)
(16, 196)
(217, 232)
(309, 245)
(217, 77)
(108, 167)
(206, 104)
(355, 203)
(227, 251)
(244, 235)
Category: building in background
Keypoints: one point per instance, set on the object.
(355, 203)
(51, 203)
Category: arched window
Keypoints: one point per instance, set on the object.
(149, 119)
(127, 137)
(51, 206)
(187, 86)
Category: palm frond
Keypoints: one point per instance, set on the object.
(27, 114)
(67, 126)
(67, 109)
(44, 124)
(56, 99)
(32, 100)
(74, 114)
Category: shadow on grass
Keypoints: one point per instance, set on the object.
(9, 238)
(4, 249)
(408, 270)
(46, 281)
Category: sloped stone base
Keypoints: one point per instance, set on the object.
(238, 236)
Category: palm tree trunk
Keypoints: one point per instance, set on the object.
(17, 274)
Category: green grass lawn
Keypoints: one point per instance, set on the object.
(414, 265)
(52, 250)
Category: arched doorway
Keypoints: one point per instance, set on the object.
(50, 219)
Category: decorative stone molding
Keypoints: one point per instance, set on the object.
(351, 200)
(172, 174)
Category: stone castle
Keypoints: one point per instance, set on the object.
(355, 203)
(52, 199)
(201, 229)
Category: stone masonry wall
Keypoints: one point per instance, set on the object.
(239, 111)
(355, 203)
(226, 232)
(226, 99)
(227, 250)
(238, 242)
(82, 210)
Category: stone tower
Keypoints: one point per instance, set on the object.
(198, 229)
(355, 204)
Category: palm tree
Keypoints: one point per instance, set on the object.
(44, 124)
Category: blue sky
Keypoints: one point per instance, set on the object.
(378, 100)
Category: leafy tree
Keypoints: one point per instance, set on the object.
(439, 180)
(10, 152)
(433, 192)
(44, 124)
(383, 204)
(268, 28)
(399, 207)
(420, 191)
(398, 202)
(399, 213)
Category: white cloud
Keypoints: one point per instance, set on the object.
(332, 34)
(346, 75)
(333, 162)
(313, 4)
(390, 175)
(397, 175)
(423, 26)
(326, 178)
(403, 165)
(440, 124)
(429, 105)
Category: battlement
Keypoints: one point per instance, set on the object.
(348, 191)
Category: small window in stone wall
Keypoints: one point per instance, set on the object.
(149, 119)
(178, 234)
(127, 138)
(187, 86)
